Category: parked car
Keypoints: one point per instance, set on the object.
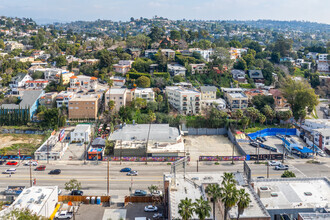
(157, 193)
(56, 171)
(150, 208)
(281, 167)
(12, 163)
(264, 138)
(254, 144)
(40, 168)
(274, 163)
(259, 139)
(63, 215)
(126, 169)
(132, 173)
(139, 192)
(33, 163)
(260, 177)
(2, 162)
(10, 171)
(59, 192)
(157, 215)
(77, 193)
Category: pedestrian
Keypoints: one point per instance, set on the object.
(10, 175)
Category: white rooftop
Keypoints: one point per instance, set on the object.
(237, 95)
(81, 128)
(295, 193)
(116, 91)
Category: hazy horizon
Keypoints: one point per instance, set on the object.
(46, 11)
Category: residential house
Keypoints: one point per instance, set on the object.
(238, 75)
(81, 133)
(83, 108)
(312, 55)
(324, 80)
(176, 69)
(12, 45)
(219, 104)
(236, 53)
(83, 82)
(186, 101)
(208, 92)
(144, 93)
(121, 68)
(48, 99)
(198, 68)
(232, 90)
(63, 98)
(24, 59)
(135, 52)
(206, 54)
(118, 80)
(36, 84)
(323, 64)
(28, 105)
(150, 53)
(256, 76)
(53, 74)
(170, 54)
(280, 101)
(236, 100)
(66, 76)
(254, 92)
(19, 80)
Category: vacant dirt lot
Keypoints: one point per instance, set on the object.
(7, 140)
(208, 145)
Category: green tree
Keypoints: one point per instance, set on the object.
(152, 189)
(245, 121)
(38, 75)
(261, 118)
(186, 208)
(2, 44)
(202, 208)
(240, 64)
(252, 113)
(238, 114)
(213, 191)
(299, 95)
(175, 35)
(243, 201)
(139, 41)
(288, 174)
(156, 34)
(269, 112)
(23, 214)
(73, 184)
(60, 61)
(143, 82)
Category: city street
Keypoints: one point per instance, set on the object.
(93, 177)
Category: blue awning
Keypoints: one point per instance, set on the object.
(305, 150)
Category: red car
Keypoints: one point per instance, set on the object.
(40, 168)
(12, 163)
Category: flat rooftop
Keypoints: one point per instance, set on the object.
(81, 128)
(237, 95)
(182, 89)
(139, 132)
(194, 187)
(294, 193)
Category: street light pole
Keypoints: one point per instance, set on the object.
(108, 178)
(30, 173)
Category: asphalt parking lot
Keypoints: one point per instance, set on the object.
(137, 210)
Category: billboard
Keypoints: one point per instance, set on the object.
(61, 135)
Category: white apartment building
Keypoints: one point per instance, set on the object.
(206, 54)
(83, 82)
(319, 129)
(50, 73)
(116, 95)
(186, 101)
(81, 133)
(323, 63)
(63, 98)
(144, 93)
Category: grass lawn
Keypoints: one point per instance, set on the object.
(259, 127)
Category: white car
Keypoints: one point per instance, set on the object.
(274, 163)
(132, 173)
(150, 208)
(10, 171)
(157, 193)
(63, 215)
(33, 163)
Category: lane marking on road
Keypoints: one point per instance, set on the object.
(91, 180)
(299, 171)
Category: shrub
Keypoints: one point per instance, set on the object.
(288, 174)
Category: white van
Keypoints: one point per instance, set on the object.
(10, 171)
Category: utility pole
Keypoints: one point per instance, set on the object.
(48, 152)
(258, 153)
(108, 178)
(30, 173)
(85, 154)
(267, 170)
(197, 166)
(232, 158)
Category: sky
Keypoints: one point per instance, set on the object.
(89, 10)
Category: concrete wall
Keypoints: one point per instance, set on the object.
(207, 131)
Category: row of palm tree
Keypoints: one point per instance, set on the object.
(227, 193)
(201, 208)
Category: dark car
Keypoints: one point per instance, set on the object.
(2, 162)
(139, 192)
(126, 169)
(56, 171)
(12, 163)
(77, 193)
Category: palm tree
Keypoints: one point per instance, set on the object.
(229, 197)
(238, 115)
(202, 208)
(243, 201)
(252, 113)
(214, 191)
(261, 118)
(228, 178)
(186, 208)
(245, 121)
(152, 189)
(269, 112)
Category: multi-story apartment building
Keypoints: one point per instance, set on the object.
(318, 132)
(323, 64)
(186, 101)
(83, 82)
(83, 108)
(48, 99)
(144, 93)
(236, 100)
(63, 98)
(118, 96)
(208, 92)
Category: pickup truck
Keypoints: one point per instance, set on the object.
(63, 215)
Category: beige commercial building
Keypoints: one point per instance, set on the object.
(83, 108)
